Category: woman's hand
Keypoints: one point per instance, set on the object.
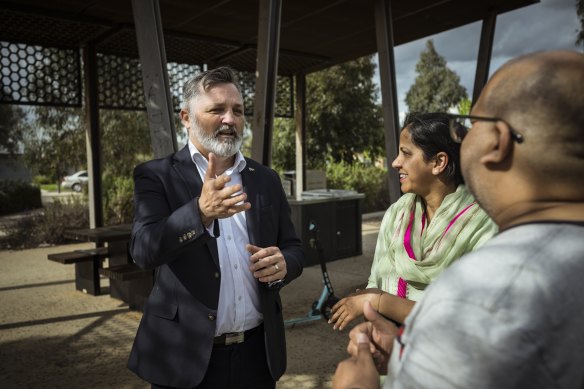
(351, 307)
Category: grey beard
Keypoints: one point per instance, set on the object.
(221, 148)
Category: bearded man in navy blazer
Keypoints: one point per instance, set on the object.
(216, 227)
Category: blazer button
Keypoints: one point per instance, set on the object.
(211, 317)
(216, 274)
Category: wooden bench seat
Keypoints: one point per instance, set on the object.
(129, 283)
(87, 262)
(75, 256)
(125, 272)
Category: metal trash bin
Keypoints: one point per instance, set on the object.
(337, 214)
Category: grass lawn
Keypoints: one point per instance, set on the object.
(53, 188)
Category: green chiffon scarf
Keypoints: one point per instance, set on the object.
(458, 226)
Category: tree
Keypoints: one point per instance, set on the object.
(284, 144)
(56, 144)
(11, 118)
(125, 140)
(436, 88)
(343, 118)
(580, 13)
(54, 141)
(464, 106)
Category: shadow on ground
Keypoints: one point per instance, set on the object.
(52, 336)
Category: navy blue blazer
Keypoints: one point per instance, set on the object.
(174, 340)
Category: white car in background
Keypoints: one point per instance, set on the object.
(75, 181)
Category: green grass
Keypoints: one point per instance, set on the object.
(53, 188)
(49, 187)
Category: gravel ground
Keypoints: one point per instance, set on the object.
(52, 336)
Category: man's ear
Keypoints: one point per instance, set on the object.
(501, 147)
(185, 118)
(440, 163)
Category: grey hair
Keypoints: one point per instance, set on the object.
(205, 80)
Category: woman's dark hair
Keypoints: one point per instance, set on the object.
(431, 133)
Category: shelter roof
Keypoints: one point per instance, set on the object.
(314, 34)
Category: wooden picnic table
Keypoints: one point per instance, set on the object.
(127, 282)
(101, 235)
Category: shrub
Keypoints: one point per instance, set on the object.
(41, 180)
(46, 227)
(17, 196)
(119, 199)
(366, 179)
(59, 216)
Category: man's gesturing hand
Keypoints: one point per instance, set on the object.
(357, 372)
(218, 200)
(381, 333)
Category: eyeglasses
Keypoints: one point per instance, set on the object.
(461, 124)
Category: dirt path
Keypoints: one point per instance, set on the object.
(52, 336)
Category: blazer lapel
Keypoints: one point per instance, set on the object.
(186, 169)
(252, 216)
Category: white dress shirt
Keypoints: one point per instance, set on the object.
(239, 303)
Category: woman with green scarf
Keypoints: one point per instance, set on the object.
(433, 224)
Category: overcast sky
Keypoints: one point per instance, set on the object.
(550, 24)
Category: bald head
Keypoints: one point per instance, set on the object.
(542, 96)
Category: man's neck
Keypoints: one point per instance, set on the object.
(223, 164)
(526, 212)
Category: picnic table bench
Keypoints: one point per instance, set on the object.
(75, 256)
(87, 263)
(128, 282)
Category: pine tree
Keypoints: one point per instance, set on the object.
(436, 88)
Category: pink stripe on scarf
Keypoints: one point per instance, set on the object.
(401, 283)
(457, 216)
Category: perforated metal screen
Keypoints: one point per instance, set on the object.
(38, 75)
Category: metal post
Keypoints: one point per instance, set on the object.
(266, 76)
(384, 34)
(300, 119)
(155, 76)
(93, 143)
(484, 55)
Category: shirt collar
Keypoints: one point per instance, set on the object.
(200, 160)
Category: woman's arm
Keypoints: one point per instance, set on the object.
(349, 308)
(393, 307)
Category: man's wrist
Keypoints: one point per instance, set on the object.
(205, 221)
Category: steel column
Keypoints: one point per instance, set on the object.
(266, 75)
(484, 55)
(93, 142)
(155, 76)
(300, 119)
(384, 34)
